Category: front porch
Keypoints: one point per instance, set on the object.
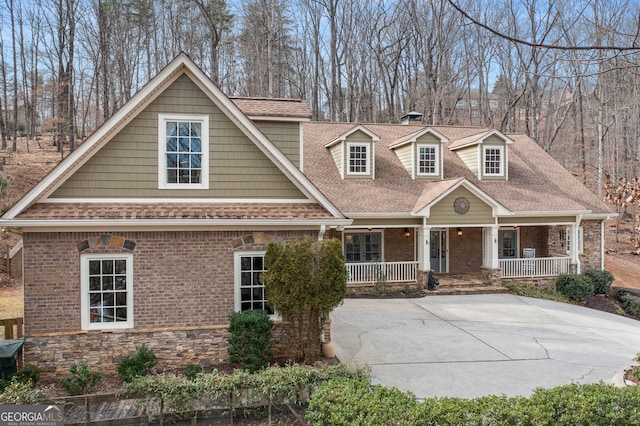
(407, 272)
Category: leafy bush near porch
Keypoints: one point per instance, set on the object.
(576, 287)
(250, 339)
(137, 365)
(602, 280)
(358, 402)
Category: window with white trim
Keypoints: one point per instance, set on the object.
(249, 290)
(493, 161)
(183, 151)
(363, 246)
(428, 160)
(106, 282)
(359, 161)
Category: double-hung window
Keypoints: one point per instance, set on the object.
(183, 153)
(107, 291)
(493, 161)
(359, 159)
(363, 247)
(428, 160)
(249, 290)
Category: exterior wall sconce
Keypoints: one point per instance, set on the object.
(407, 233)
(459, 232)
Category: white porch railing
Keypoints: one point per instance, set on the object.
(534, 267)
(392, 272)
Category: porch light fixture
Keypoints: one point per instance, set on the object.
(407, 233)
(459, 232)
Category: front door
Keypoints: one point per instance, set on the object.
(438, 250)
(507, 244)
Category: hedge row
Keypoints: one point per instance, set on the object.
(360, 403)
(630, 300)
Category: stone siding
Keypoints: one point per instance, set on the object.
(183, 287)
(592, 253)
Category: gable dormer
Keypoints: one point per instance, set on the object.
(354, 153)
(486, 154)
(421, 154)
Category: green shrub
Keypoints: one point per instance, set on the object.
(573, 286)
(630, 302)
(520, 289)
(250, 339)
(192, 370)
(602, 280)
(358, 402)
(23, 393)
(137, 365)
(81, 380)
(29, 373)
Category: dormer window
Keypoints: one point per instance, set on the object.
(428, 160)
(358, 159)
(493, 161)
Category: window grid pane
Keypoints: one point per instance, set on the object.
(107, 290)
(252, 294)
(427, 162)
(358, 159)
(184, 153)
(492, 161)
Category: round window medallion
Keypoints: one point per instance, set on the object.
(461, 205)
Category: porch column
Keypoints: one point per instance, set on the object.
(491, 247)
(424, 233)
(574, 248)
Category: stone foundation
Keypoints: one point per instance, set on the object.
(174, 348)
(538, 282)
(492, 277)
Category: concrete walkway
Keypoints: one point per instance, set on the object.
(469, 346)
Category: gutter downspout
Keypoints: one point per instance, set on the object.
(602, 228)
(575, 248)
(323, 229)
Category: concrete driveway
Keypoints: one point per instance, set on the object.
(468, 346)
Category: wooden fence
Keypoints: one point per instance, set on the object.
(13, 328)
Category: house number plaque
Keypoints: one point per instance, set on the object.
(461, 205)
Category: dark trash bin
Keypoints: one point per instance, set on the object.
(10, 351)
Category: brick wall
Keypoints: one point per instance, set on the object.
(465, 252)
(183, 295)
(535, 237)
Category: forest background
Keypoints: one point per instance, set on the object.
(564, 72)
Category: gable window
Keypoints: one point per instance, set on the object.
(493, 159)
(183, 152)
(249, 291)
(107, 291)
(428, 160)
(358, 159)
(363, 246)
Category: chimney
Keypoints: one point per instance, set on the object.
(411, 117)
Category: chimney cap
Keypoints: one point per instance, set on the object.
(411, 117)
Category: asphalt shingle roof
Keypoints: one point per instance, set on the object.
(536, 182)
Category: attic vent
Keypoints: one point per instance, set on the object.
(411, 117)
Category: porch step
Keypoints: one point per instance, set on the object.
(467, 289)
(464, 284)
